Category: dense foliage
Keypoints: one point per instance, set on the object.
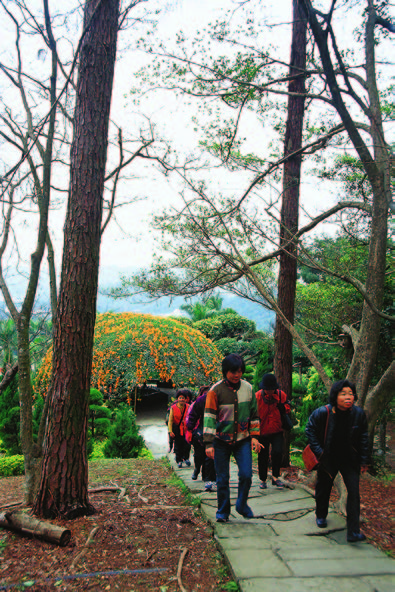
(9, 418)
(131, 349)
(99, 415)
(124, 439)
(227, 325)
(11, 465)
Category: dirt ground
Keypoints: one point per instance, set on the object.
(147, 532)
(141, 539)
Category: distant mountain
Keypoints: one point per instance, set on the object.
(109, 277)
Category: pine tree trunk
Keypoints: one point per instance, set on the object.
(64, 477)
(290, 202)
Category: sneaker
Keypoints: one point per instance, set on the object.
(321, 522)
(208, 486)
(277, 483)
(179, 465)
(263, 485)
(356, 537)
(223, 519)
(195, 475)
(188, 463)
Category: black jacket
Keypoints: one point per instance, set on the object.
(358, 434)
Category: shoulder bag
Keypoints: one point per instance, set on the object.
(286, 421)
(310, 460)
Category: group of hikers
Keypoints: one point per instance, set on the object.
(227, 419)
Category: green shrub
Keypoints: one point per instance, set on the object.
(227, 325)
(315, 397)
(97, 450)
(10, 418)
(124, 440)
(264, 364)
(249, 373)
(99, 415)
(11, 465)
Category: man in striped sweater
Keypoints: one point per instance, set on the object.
(231, 425)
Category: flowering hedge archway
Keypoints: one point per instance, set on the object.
(131, 349)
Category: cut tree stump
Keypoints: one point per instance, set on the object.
(22, 522)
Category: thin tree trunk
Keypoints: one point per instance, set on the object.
(52, 277)
(64, 477)
(290, 202)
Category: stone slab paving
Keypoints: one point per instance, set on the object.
(282, 550)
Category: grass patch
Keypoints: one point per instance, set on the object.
(297, 460)
(223, 572)
(190, 499)
(12, 465)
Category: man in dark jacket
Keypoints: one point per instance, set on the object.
(344, 450)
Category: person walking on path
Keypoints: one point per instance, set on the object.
(230, 420)
(195, 425)
(177, 427)
(272, 404)
(344, 450)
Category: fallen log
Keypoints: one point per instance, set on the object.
(22, 522)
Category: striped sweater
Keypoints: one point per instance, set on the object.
(230, 415)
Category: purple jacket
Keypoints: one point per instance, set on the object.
(195, 417)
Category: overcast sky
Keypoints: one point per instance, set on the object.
(130, 243)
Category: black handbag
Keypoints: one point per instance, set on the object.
(286, 421)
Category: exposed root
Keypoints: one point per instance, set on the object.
(143, 499)
(179, 568)
(89, 540)
(13, 505)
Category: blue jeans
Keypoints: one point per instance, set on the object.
(243, 456)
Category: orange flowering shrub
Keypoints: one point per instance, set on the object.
(131, 349)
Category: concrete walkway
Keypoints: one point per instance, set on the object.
(282, 550)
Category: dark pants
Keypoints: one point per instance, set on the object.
(323, 489)
(243, 456)
(181, 448)
(276, 441)
(202, 461)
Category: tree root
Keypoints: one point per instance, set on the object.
(149, 508)
(179, 568)
(89, 540)
(143, 499)
(13, 505)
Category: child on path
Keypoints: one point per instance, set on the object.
(338, 436)
(272, 403)
(230, 419)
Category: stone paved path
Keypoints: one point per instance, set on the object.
(282, 550)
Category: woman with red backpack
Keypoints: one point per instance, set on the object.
(272, 406)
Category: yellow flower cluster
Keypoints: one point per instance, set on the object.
(131, 349)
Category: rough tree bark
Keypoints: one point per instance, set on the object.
(290, 201)
(64, 477)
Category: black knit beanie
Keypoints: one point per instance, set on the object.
(269, 382)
